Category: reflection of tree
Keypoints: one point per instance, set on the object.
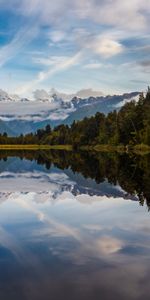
(131, 172)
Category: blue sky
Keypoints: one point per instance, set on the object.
(72, 45)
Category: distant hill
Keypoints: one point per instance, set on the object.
(5, 128)
(23, 115)
(102, 104)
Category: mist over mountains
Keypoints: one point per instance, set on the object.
(23, 115)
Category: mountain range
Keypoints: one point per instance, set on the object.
(22, 115)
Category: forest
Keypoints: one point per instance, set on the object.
(128, 126)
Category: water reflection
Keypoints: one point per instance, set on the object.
(71, 226)
(98, 174)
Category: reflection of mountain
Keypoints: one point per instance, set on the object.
(90, 187)
(63, 174)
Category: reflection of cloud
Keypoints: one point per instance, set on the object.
(22, 255)
(93, 227)
(94, 246)
(8, 241)
(99, 246)
(88, 246)
(60, 228)
(86, 199)
(108, 245)
(94, 199)
(35, 182)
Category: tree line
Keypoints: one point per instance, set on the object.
(128, 126)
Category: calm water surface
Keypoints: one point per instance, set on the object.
(74, 226)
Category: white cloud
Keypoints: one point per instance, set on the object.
(43, 75)
(107, 47)
(63, 19)
(121, 103)
(93, 66)
(22, 37)
(130, 15)
(85, 93)
(59, 115)
(127, 14)
(57, 36)
(48, 61)
(41, 95)
(31, 110)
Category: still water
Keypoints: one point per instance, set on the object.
(74, 226)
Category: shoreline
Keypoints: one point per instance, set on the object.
(143, 149)
(36, 147)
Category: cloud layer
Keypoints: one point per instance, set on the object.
(57, 42)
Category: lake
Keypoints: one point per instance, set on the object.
(74, 226)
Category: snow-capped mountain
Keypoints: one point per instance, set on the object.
(39, 95)
(22, 115)
(4, 97)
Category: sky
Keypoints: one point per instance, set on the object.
(72, 45)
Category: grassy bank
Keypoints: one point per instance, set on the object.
(141, 149)
(36, 147)
(104, 148)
